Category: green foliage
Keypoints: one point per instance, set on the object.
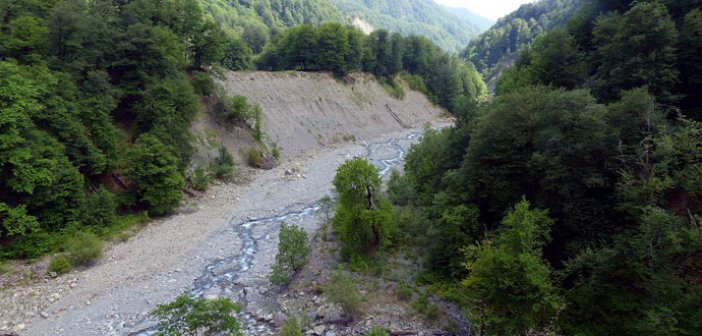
(509, 282)
(191, 316)
(199, 180)
(203, 84)
(363, 219)
(100, 209)
(519, 28)
(237, 55)
(291, 327)
(425, 307)
(394, 88)
(342, 290)
(15, 221)
(403, 291)
(448, 81)
(419, 17)
(152, 168)
(223, 166)
(59, 265)
(255, 158)
(83, 248)
(400, 189)
(293, 251)
(377, 331)
(636, 49)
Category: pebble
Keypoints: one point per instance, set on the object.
(44, 314)
(319, 330)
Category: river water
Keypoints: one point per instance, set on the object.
(226, 272)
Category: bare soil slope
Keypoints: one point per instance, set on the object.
(305, 110)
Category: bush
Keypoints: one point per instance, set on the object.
(200, 180)
(4, 269)
(403, 291)
(394, 88)
(154, 170)
(401, 190)
(190, 316)
(203, 83)
(100, 209)
(426, 308)
(377, 331)
(83, 248)
(223, 166)
(293, 250)
(415, 83)
(59, 264)
(255, 159)
(342, 290)
(290, 328)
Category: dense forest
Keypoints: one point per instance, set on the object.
(510, 33)
(95, 112)
(445, 79)
(414, 17)
(570, 204)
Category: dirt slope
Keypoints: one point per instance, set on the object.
(305, 110)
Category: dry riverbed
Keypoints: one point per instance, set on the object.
(171, 255)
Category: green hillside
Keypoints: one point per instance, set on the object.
(481, 22)
(503, 40)
(407, 17)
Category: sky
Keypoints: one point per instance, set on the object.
(491, 9)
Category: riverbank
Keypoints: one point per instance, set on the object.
(115, 296)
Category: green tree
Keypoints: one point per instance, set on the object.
(510, 285)
(636, 49)
(153, 169)
(191, 316)
(333, 47)
(363, 218)
(237, 55)
(293, 251)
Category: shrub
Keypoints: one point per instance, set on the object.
(83, 248)
(59, 264)
(241, 109)
(200, 180)
(100, 209)
(203, 83)
(223, 166)
(377, 331)
(293, 251)
(401, 190)
(255, 159)
(428, 309)
(154, 170)
(4, 269)
(291, 327)
(403, 291)
(275, 151)
(394, 88)
(342, 290)
(190, 316)
(258, 122)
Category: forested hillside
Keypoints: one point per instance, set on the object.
(447, 81)
(95, 112)
(414, 17)
(570, 204)
(482, 23)
(259, 20)
(503, 40)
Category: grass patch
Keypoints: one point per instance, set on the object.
(394, 88)
(83, 248)
(4, 269)
(59, 265)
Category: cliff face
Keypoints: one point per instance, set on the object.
(303, 111)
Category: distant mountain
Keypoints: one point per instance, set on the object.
(482, 23)
(496, 48)
(444, 27)
(257, 20)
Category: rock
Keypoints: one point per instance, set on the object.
(279, 319)
(288, 172)
(53, 274)
(263, 289)
(19, 327)
(319, 330)
(211, 297)
(44, 314)
(73, 285)
(54, 297)
(330, 333)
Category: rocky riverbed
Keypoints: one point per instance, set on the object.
(223, 245)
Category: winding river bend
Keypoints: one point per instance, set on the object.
(229, 276)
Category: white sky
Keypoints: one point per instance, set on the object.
(492, 9)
